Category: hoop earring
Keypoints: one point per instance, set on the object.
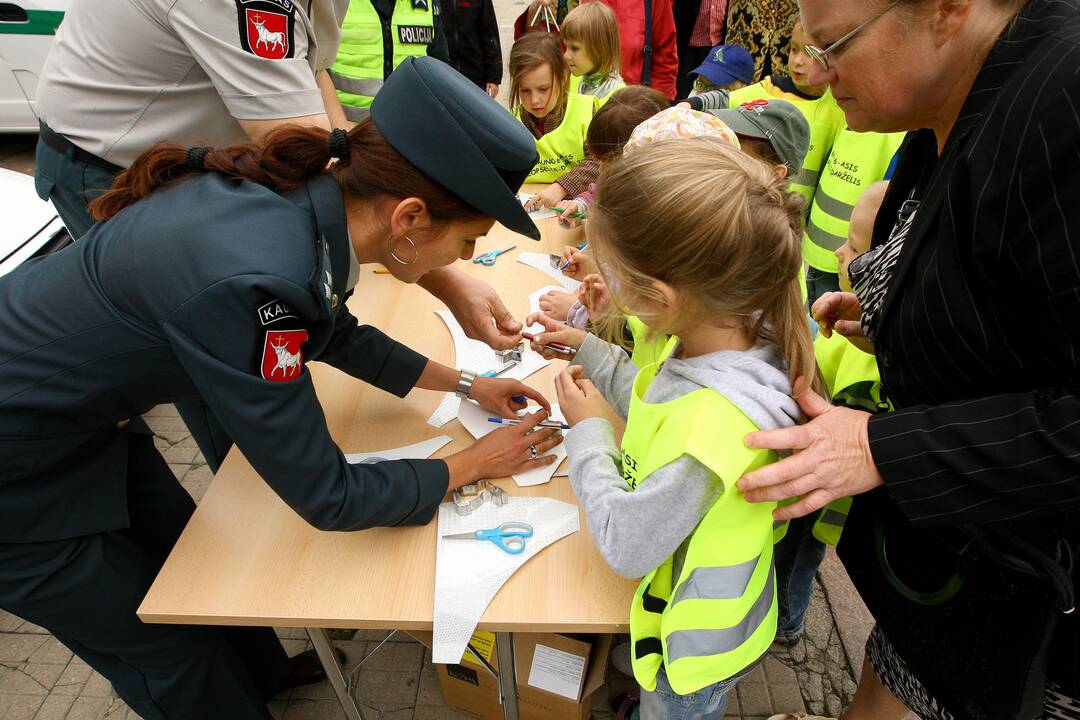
(416, 250)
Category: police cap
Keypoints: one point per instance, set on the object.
(450, 130)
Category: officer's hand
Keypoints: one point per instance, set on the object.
(476, 306)
(502, 396)
(509, 450)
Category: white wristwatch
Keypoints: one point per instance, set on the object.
(465, 383)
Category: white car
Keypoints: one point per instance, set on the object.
(27, 28)
(31, 226)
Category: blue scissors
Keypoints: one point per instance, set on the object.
(488, 259)
(509, 537)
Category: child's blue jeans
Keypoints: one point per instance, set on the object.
(663, 703)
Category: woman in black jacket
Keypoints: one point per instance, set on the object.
(961, 535)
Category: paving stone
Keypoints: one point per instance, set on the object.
(20, 707)
(786, 698)
(388, 690)
(430, 693)
(72, 679)
(316, 691)
(199, 474)
(9, 622)
(97, 686)
(394, 656)
(314, 710)
(197, 490)
(55, 707)
(753, 698)
(51, 651)
(44, 673)
(291, 633)
(438, 712)
(277, 709)
(89, 708)
(408, 714)
(31, 629)
(16, 648)
(15, 681)
(179, 469)
(179, 455)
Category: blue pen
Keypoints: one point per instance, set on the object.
(548, 424)
(584, 244)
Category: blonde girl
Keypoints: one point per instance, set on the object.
(702, 243)
(540, 98)
(590, 35)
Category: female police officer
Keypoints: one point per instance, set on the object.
(220, 272)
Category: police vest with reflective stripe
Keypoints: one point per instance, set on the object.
(856, 161)
(719, 615)
(564, 147)
(824, 116)
(647, 349)
(360, 67)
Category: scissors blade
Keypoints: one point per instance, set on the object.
(461, 536)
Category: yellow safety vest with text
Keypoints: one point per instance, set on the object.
(360, 67)
(856, 161)
(598, 102)
(564, 147)
(824, 116)
(719, 615)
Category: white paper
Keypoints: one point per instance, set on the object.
(468, 573)
(542, 262)
(446, 411)
(416, 451)
(542, 214)
(479, 357)
(556, 671)
(534, 305)
(475, 420)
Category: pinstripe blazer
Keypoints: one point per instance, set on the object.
(979, 338)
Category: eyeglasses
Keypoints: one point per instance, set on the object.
(821, 56)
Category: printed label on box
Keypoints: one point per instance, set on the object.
(484, 643)
(460, 672)
(556, 671)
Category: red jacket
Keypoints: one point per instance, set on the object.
(631, 18)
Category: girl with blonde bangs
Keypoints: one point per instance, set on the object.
(590, 35)
(702, 243)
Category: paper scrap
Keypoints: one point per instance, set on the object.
(534, 305)
(542, 262)
(475, 420)
(542, 214)
(556, 671)
(479, 357)
(446, 411)
(416, 451)
(468, 573)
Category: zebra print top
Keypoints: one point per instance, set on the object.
(871, 272)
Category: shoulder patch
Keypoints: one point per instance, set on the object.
(275, 310)
(282, 357)
(266, 27)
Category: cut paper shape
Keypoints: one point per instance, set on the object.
(479, 357)
(416, 451)
(446, 411)
(534, 305)
(468, 573)
(542, 262)
(475, 420)
(542, 214)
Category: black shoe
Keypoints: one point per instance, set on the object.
(305, 668)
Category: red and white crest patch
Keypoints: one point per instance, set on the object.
(266, 27)
(282, 358)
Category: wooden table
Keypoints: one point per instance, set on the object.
(247, 559)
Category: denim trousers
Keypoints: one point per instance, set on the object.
(797, 558)
(708, 703)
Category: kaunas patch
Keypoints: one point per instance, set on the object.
(266, 27)
(282, 357)
(416, 34)
(275, 310)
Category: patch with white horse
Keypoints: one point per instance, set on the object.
(266, 27)
(282, 358)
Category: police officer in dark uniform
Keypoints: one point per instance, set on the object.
(221, 273)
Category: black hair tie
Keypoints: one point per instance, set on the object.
(339, 144)
(196, 157)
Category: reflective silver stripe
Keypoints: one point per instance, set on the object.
(806, 176)
(832, 517)
(723, 582)
(700, 643)
(367, 87)
(822, 238)
(355, 114)
(836, 208)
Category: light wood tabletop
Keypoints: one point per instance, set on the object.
(247, 559)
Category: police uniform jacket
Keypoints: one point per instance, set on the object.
(219, 289)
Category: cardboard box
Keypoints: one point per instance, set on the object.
(556, 676)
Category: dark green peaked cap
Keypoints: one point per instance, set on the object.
(450, 130)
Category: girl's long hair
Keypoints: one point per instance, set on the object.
(532, 51)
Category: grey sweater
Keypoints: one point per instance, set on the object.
(674, 499)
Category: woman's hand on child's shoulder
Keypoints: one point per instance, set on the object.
(555, 334)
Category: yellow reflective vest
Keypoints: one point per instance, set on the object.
(598, 101)
(360, 67)
(564, 147)
(856, 161)
(824, 116)
(648, 349)
(719, 615)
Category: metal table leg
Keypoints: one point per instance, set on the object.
(504, 646)
(333, 672)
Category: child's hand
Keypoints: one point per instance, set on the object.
(841, 311)
(576, 262)
(567, 219)
(554, 332)
(556, 304)
(594, 295)
(492, 89)
(553, 194)
(579, 399)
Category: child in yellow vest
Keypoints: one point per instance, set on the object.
(590, 35)
(702, 242)
(540, 98)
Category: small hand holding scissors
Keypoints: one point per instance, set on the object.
(488, 259)
(509, 537)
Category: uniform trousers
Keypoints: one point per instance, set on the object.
(85, 591)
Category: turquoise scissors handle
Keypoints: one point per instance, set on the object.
(488, 259)
(509, 537)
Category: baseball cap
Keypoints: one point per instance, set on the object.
(777, 121)
(450, 130)
(726, 64)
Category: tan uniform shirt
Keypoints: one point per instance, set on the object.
(123, 75)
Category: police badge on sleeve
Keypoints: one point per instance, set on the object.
(266, 27)
(283, 358)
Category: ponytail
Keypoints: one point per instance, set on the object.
(367, 167)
